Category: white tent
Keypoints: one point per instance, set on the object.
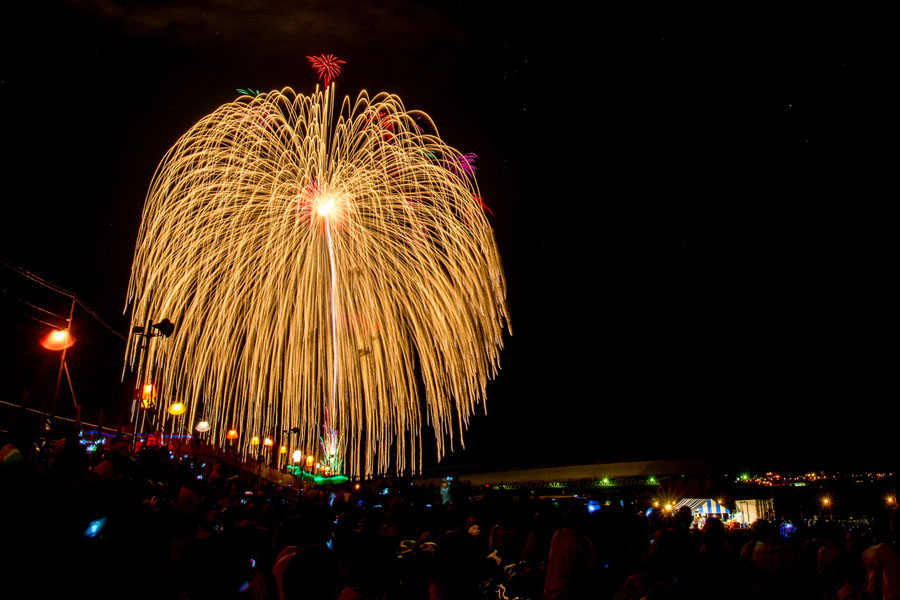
(702, 507)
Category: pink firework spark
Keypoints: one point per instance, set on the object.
(328, 66)
(464, 164)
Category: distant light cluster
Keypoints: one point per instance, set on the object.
(772, 479)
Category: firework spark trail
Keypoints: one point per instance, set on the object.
(311, 262)
(330, 455)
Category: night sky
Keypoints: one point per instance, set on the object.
(692, 205)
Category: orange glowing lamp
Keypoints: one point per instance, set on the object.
(283, 450)
(309, 460)
(254, 441)
(59, 339)
(148, 395)
(268, 442)
(177, 409)
(232, 434)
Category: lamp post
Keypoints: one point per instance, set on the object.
(61, 339)
(231, 436)
(176, 409)
(289, 434)
(145, 383)
(826, 503)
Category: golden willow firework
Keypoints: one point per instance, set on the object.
(322, 272)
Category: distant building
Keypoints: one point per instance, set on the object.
(747, 511)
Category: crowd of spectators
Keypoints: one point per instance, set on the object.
(160, 523)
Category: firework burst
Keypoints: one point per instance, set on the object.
(327, 66)
(324, 276)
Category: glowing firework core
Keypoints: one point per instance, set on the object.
(329, 205)
(326, 273)
(325, 207)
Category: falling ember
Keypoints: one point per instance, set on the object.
(325, 277)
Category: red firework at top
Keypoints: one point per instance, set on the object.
(328, 66)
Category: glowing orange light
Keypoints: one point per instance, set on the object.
(309, 460)
(231, 435)
(177, 408)
(268, 442)
(148, 395)
(282, 450)
(254, 441)
(59, 339)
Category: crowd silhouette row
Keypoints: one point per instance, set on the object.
(166, 525)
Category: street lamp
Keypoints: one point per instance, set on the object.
(61, 340)
(826, 503)
(58, 339)
(147, 396)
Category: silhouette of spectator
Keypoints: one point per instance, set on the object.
(312, 574)
(571, 558)
(882, 565)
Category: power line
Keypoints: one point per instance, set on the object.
(25, 273)
(99, 320)
(52, 286)
(34, 306)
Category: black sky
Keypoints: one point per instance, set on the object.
(692, 205)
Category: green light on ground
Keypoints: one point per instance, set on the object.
(318, 479)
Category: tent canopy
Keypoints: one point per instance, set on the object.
(703, 506)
